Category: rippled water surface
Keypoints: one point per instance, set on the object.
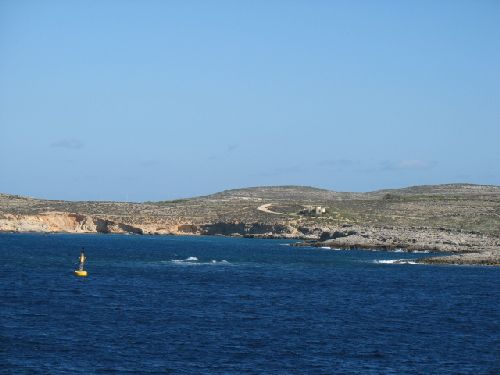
(212, 305)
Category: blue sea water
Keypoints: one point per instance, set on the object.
(214, 305)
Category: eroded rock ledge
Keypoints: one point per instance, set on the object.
(410, 239)
(465, 247)
(51, 222)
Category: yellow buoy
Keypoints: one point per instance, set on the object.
(81, 259)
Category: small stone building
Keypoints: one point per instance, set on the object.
(313, 210)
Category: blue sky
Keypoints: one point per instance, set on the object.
(150, 100)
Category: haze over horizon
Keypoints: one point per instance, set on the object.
(137, 101)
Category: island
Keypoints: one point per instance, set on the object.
(461, 220)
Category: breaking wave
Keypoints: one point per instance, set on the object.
(394, 261)
(196, 262)
(412, 251)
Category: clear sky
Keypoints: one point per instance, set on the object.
(151, 100)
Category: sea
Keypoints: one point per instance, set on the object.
(217, 305)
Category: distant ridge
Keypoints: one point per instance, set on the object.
(310, 192)
(278, 192)
(456, 188)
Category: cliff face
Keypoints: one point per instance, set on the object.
(63, 222)
(451, 218)
(472, 246)
(48, 222)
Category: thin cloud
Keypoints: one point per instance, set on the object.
(231, 148)
(337, 163)
(409, 164)
(69, 144)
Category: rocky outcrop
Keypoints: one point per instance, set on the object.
(234, 229)
(76, 223)
(468, 247)
(410, 239)
(63, 222)
(249, 230)
(485, 258)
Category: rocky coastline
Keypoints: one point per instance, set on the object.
(460, 220)
(462, 248)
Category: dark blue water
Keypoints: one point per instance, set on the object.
(244, 306)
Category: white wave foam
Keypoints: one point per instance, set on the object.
(399, 251)
(223, 261)
(409, 262)
(189, 260)
(194, 261)
(325, 247)
(395, 261)
(386, 261)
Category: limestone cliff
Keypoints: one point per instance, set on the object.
(62, 222)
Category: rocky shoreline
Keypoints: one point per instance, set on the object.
(459, 219)
(465, 248)
(488, 258)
